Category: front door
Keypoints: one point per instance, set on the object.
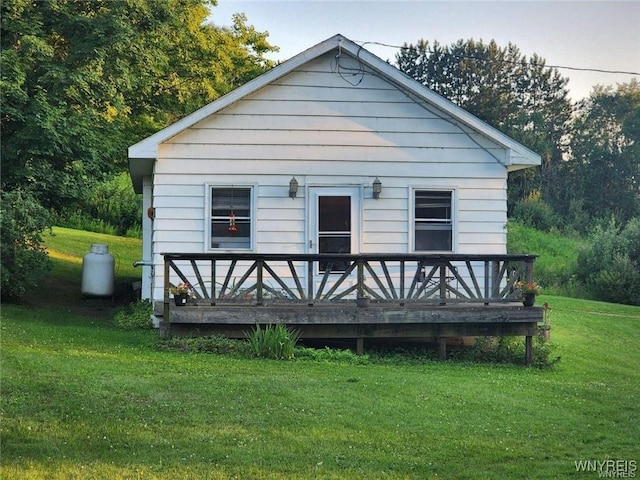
(334, 223)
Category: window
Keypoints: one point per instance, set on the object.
(231, 217)
(433, 221)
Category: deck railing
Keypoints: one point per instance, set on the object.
(258, 279)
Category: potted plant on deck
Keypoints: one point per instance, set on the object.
(181, 293)
(527, 292)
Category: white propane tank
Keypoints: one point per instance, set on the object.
(97, 272)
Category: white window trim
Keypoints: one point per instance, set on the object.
(454, 217)
(207, 212)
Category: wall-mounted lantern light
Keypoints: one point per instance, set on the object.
(293, 187)
(377, 188)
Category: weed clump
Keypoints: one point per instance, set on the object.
(135, 316)
(274, 341)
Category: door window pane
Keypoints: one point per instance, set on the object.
(334, 229)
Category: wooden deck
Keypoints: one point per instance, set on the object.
(436, 297)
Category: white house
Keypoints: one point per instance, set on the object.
(332, 151)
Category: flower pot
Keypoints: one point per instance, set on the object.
(529, 299)
(362, 302)
(180, 299)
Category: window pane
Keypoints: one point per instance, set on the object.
(437, 240)
(334, 229)
(224, 202)
(433, 221)
(334, 244)
(334, 214)
(435, 205)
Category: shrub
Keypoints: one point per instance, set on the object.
(609, 266)
(510, 350)
(327, 354)
(110, 207)
(534, 212)
(274, 341)
(24, 259)
(135, 316)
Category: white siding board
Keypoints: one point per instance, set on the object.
(284, 237)
(279, 214)
(177, 202)
(166, 186)
(331, 137)
(322, 93)
(436, 173)
(329, 108)
(480, 216)
(283, 121)
(427, 154)
(481, 227)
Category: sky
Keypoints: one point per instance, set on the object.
(582, 34)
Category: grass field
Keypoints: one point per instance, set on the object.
(82, 399)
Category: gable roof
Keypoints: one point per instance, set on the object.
(143, 153)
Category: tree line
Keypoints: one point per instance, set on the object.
(81, 81)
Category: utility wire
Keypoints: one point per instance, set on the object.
(580, 69)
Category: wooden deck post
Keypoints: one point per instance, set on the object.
(442, 348)
(167, 283)
(359, 346)
(259, 282)
(528, 350)
(310, 283)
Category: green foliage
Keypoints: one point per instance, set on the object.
(555, 267)
(24, 259)
(274, 341)
(110, 207)
(331, 355)
(510, 350)
(135, 316)
(534, 212)
(605, 145)
(609, 265)
(81, 81)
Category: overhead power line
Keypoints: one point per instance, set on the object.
(565, 67)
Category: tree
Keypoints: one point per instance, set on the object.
(519, 96)
(609, 266)
(24, 259)
(605, 151)
(83, 80)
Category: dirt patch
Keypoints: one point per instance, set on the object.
(65, 294)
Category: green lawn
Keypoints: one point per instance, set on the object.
(82, 399)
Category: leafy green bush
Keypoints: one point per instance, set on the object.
(327, 354)
(24, 259)
(534, 212)
(274, 341)
(110, 207)
(609, 266)
(135, 316)
(510, 350)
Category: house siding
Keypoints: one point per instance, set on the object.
(314, 124)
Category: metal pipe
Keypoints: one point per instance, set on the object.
(143, 263)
